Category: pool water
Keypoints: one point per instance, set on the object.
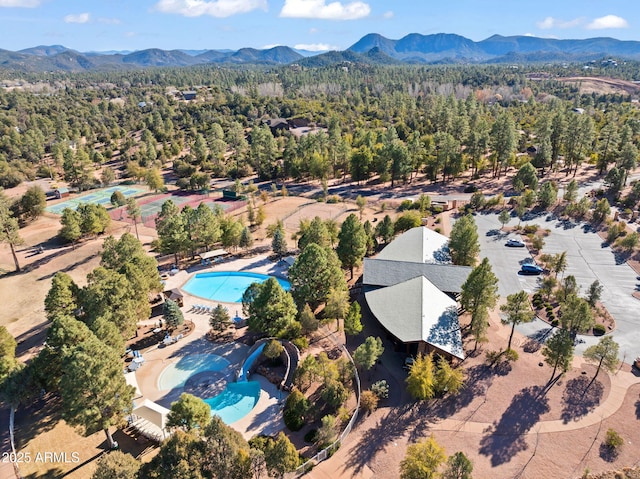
(236, 401)
(226, 286)
(176, 374)
(232, 404)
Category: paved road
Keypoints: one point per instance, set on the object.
(588, 260)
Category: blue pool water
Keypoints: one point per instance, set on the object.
(176, 374)
(236, 401)
(226, 286)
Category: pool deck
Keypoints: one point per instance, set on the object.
(266, 416)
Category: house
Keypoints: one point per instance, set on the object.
(411, 288)
(277, 124)
(61, 192)
(189, 95)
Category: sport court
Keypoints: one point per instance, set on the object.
(99, 197)
(150, 207)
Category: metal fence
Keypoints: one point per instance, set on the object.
(328, 451)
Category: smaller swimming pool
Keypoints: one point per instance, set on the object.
(226, 286)
(176, 374)
(236, 401)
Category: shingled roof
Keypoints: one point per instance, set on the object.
(409, 287)
(416, 310)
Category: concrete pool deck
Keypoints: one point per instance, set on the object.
(266, 416)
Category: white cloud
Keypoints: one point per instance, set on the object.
(315, 47)
(270, 46)
(321, 10)
(388, 14)
(550, 22)
(313, 30)
(214, 8)
(77, 18)
(608, 21)
(19, 3)
(529, 34)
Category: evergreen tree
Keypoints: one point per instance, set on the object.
(172, 314)
(219, 319)
(188, 413)
(558, 351)
(246, 239)
(463, 242)
(479, 295)
(352, 323)
(94, 393)
(517, 311)
(367, 354)
(279, 244)
(352, 243)
(308, 320)
(70, 230)
(62, 297)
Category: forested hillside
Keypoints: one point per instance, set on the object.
(357, 122)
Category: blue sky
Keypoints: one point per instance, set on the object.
(100, 25)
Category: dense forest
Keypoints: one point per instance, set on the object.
(385, 122)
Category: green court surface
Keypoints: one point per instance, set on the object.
(101, 197)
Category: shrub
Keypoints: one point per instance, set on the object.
(511, 355)
(295, 409)
(436, 210)
(405, 205)
(311, 436)
(438, 220)
(380, 389)
(555, 323)
(599, 329)
(530, 229)
(613, 440)
(369, 401)
(438, 230)
(301, 343)
(333, 199)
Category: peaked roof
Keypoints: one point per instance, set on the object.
(416, 310)
(418, 245)
(446, 277)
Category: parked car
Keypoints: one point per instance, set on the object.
(515, 243)
(531, 268)
(408, 363)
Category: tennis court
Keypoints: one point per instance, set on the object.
(100, 197)
(150, 207)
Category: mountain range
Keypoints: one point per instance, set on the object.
(370, 49)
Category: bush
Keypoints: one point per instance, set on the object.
(438, 230)
(369, 401)
(333, 199)
(301, 343)
(613, 440)
(555, 323)
(551, 316)
(530, 229)
(436, 210)
(311, 437)
(405, 205)
(599, 329)
(295, 409)
(511, 355)
(380, 389)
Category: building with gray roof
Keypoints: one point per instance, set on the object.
(411, 288)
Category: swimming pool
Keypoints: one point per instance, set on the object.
(176, 374)
(236, 401)
(226, 286)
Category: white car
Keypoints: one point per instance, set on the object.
(515, 243)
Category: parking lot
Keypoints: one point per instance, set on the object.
(588, 260)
